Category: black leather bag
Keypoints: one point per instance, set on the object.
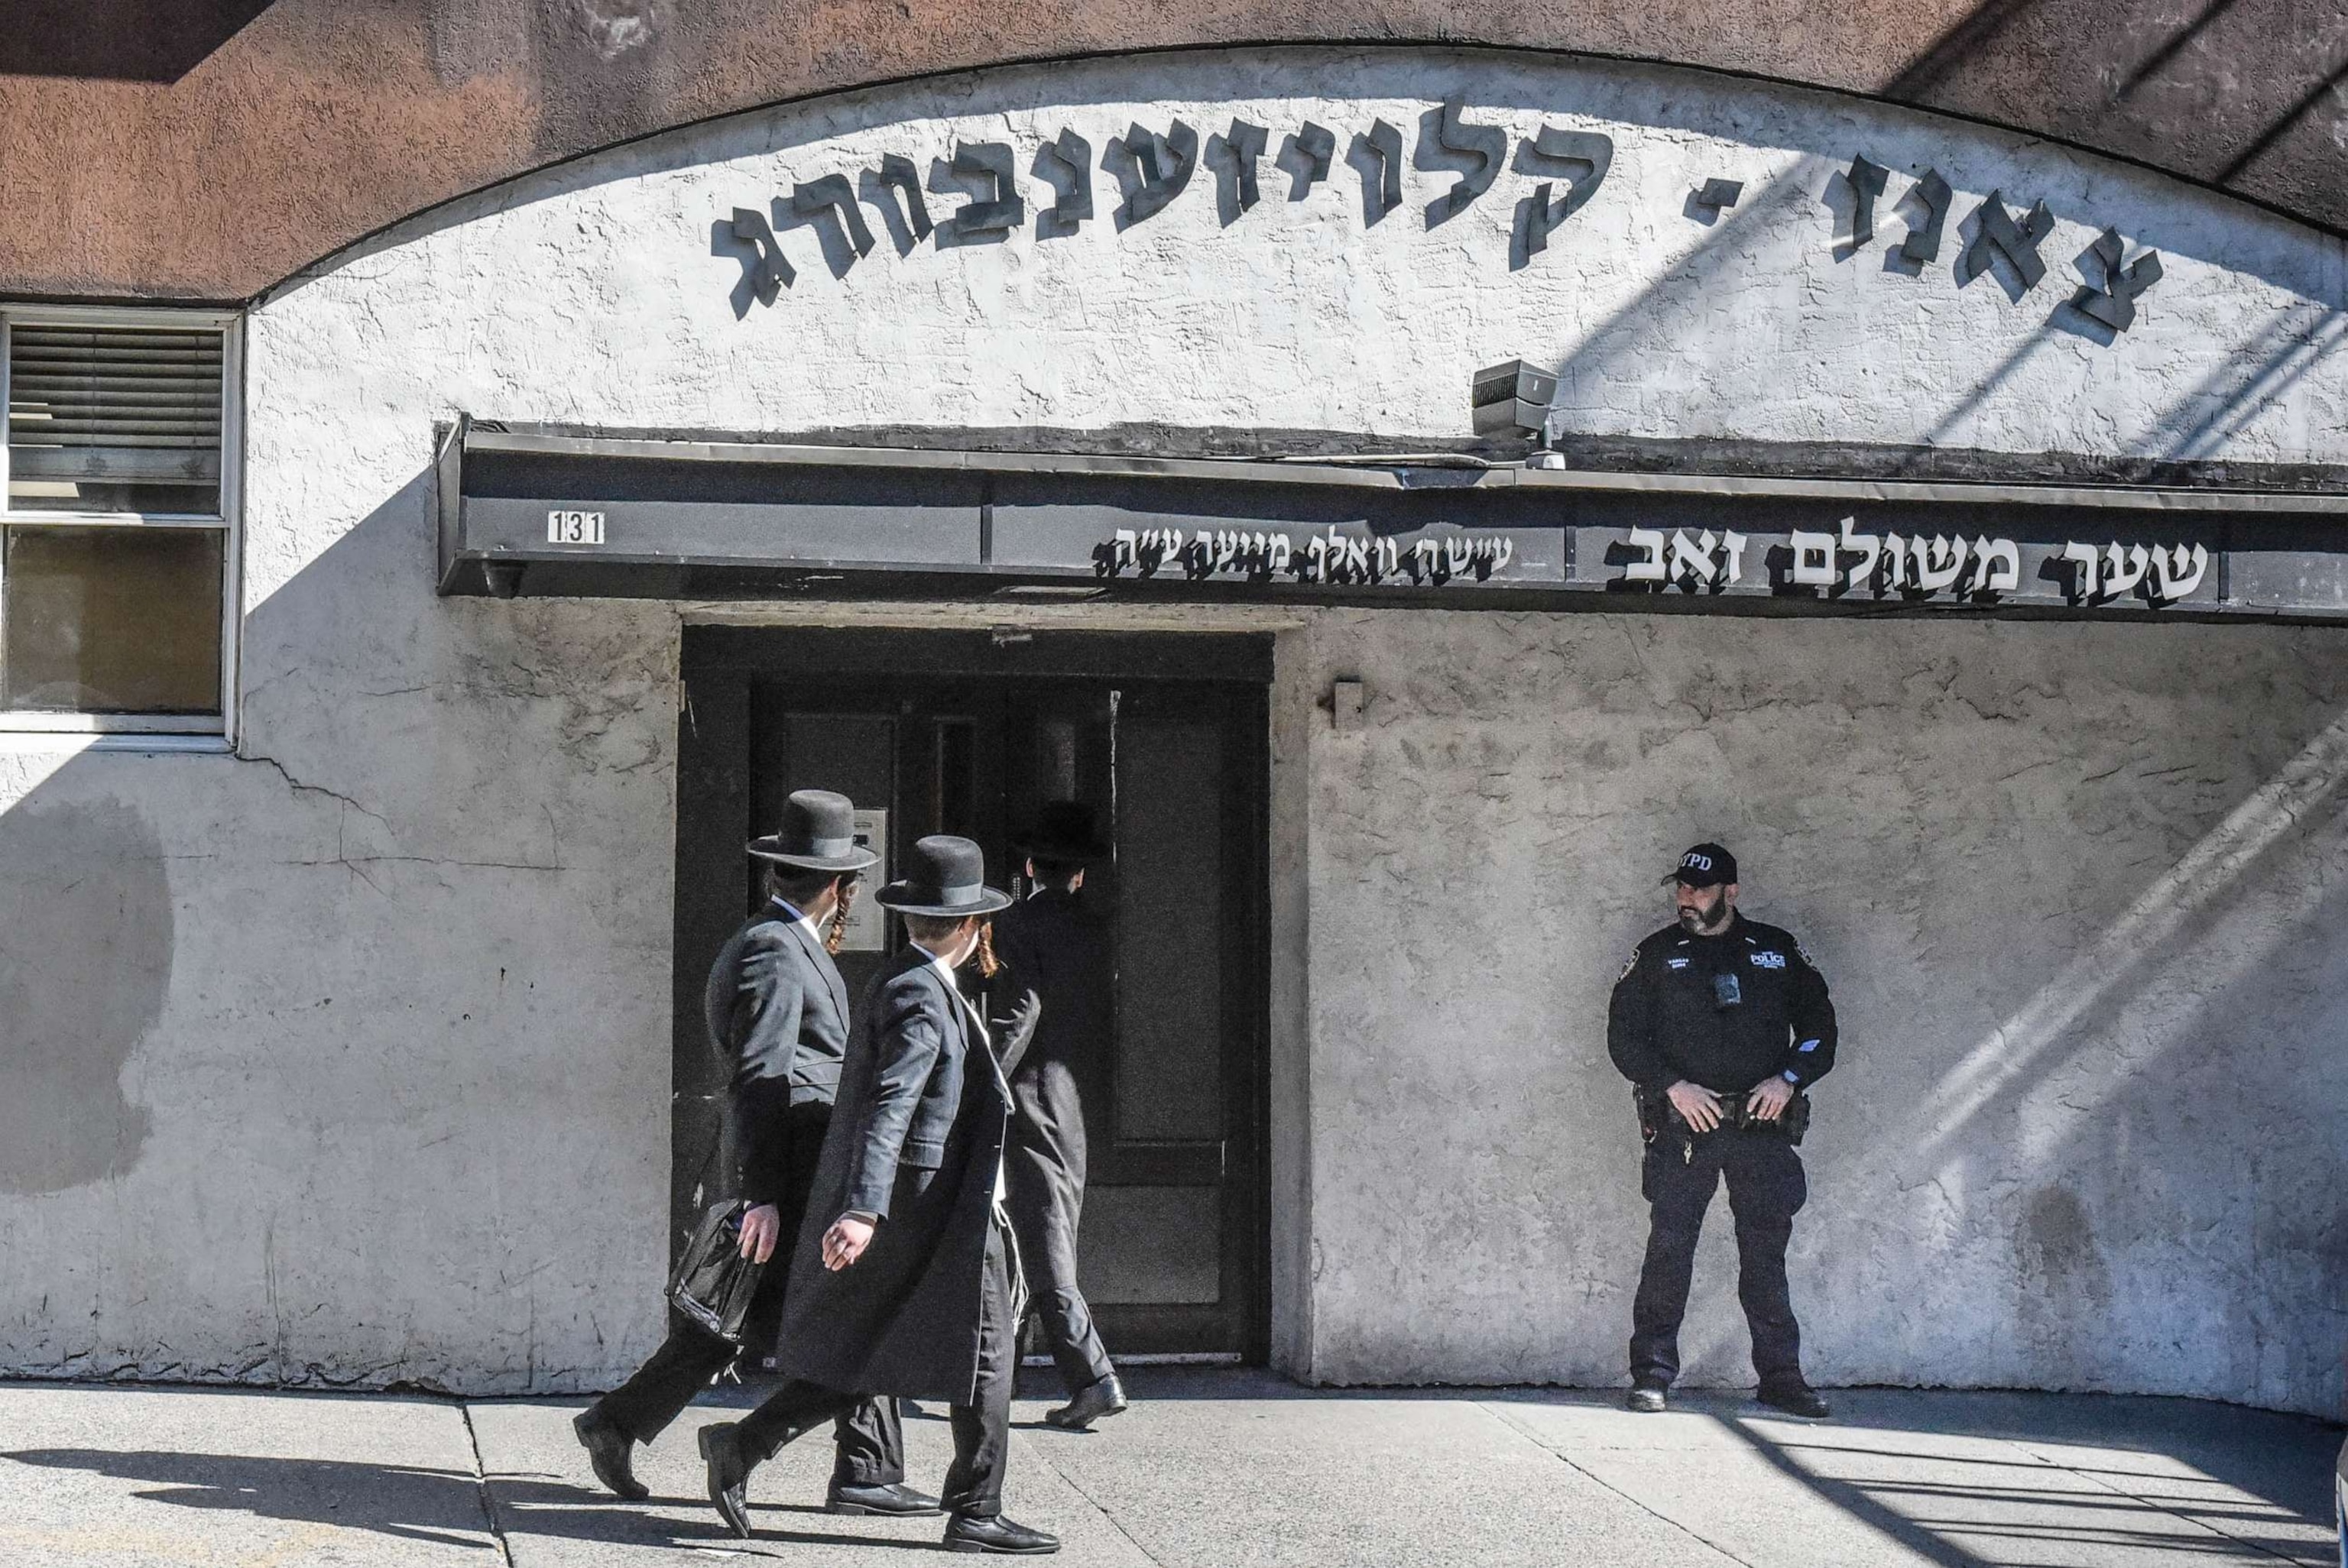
(714, 1282)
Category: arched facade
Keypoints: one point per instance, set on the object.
(2073, 876)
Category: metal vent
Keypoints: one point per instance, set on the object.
(114, 419)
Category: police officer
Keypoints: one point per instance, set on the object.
(1721, 1024)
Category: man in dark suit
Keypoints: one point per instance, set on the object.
(911, 1288)
(1055, 943)
(777, 1013)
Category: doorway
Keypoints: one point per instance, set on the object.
(1165, 737)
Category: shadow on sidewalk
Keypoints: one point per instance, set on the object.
(439, 1506)
(1959, 1479)
(442, 1507)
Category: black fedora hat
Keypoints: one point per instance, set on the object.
(1063, 830)
(817, 833)
(945, 877)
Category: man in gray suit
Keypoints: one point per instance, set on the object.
(777, 1013)
(905, 1280)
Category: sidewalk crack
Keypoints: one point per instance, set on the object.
(481, 1487)
(1598, 1481)
(1070, 1482)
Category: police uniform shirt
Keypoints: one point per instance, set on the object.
(1722, 1012)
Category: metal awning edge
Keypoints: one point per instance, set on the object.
(1402, 475)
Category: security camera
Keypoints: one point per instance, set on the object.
(1513, 399)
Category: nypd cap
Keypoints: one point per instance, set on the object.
(1705, 865)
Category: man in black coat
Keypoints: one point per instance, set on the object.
(912, 1287)
(1054, 944)
(777, 1014)
(1721, 1023)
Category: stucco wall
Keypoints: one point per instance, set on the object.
(343, 1059)
(206, 148)
(2078, 889)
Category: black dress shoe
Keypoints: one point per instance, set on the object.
(1647, 1398)
(967, 1532)
(607, 1450)
(730, 1475)
(893, 1497)
(1796, 1399)
(1101, 1398)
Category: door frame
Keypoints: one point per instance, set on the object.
(719, 665)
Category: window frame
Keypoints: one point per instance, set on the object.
(219, 728)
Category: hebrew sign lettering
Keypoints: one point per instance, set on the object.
(1339, 557)
(1558, 170)
(1856, 562)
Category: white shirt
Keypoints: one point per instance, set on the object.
(979, 1024)
(804, 922)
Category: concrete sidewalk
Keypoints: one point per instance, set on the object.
(1212, 1469)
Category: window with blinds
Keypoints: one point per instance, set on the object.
(117, 536)
(114, 419)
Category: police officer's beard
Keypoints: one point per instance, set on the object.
(1700, 922)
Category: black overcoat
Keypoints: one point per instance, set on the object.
(916, 1137)
(1054, 944)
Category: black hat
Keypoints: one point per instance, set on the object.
(945, 877)
(1705, 865)
(817, 833)
(1063, 830)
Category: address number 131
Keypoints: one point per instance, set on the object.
(574, 528)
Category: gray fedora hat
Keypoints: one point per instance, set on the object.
(817, 833)
(945, 877)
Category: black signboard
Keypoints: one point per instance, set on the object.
(540, 513)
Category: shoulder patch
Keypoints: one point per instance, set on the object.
(1628, 967)
(1803, 952)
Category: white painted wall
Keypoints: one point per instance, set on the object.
(2077, 891)
(345, 1060)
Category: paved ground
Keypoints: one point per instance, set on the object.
(1221, 1470)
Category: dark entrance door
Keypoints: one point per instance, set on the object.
(968, 733)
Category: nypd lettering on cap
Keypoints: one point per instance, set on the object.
(1692, 861)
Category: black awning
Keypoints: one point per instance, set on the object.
(538, 512)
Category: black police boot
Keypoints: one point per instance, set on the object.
(968, 1532)
(1796, 1400)
(729, 1474)
(892, 1498)
(1101, 1398)
(608, 1451)
(1646, 1397)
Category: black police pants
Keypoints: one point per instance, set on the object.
(869, 1440)
(982, 1429)
(1766, 1189)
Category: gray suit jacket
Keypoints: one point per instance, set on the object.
(777, 1016)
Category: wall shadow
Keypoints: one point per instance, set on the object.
(85, 954)
(118, 40)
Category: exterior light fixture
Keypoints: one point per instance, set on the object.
(1514, 399)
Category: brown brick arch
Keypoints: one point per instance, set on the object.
(205, 148)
